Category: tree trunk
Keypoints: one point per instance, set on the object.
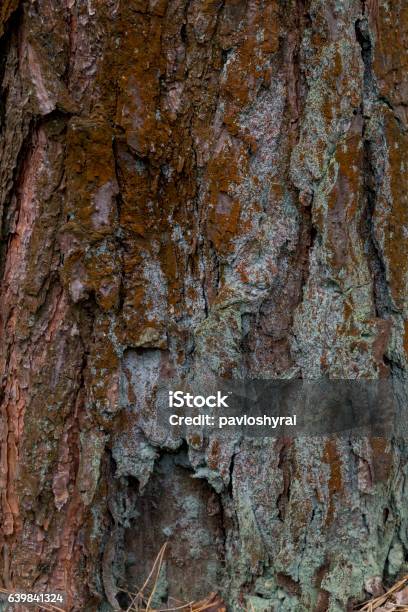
(189, 186)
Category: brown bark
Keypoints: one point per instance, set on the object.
(189, 186)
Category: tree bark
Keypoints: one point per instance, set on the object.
(189, 186)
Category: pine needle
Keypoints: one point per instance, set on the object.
(212, 602)
(387, 598)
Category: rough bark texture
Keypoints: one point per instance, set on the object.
(192, 185)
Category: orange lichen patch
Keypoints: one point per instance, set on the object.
(390, 61)
(225, 295)
(203, 19)
(138, 66)
(277, 190)
(103, 276)
(91, 180)
(227, 164)
(139, 213)
(300, 517)
(213, 454)
(248, 66)
(222, 221)
(327, 109)
(343, 246)
(391, 214)
(381, 459)
(153, 207)
(225, 172)
(360, 346)
(140, 330)
(242, 270)
(245, 71)
(369, 336)
(381, 340)
(195, 440)
(173, 272)
(102, 375)
(335, 483)
(333, 76)
(337, 67)
(91, 214)
(348, 310)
